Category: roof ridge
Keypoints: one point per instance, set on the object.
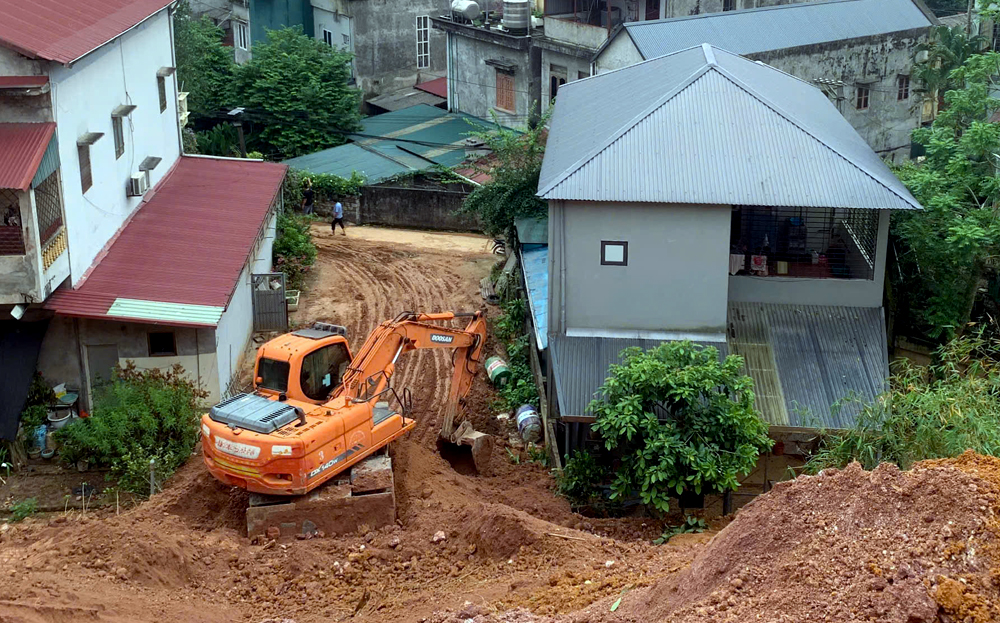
(718, 14)
(728, 75)
(698, 73)
(570, 85)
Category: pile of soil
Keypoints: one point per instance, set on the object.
(846, 546)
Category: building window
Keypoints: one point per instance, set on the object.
(995, 43)
(241, 35)
(557, 78)
(903, 87)
(86, 179)
(861, 101)
(423, 41)
(728, 5)
(580, 75)
(116, 127)
(347, 41)
(614, 253)
(505, 91)
(652, 9)
(48, 208)
(162, 344)
(161, 87)
(807, 243)
(328, 37)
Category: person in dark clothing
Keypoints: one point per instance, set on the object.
(308, 196)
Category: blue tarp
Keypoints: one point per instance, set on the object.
(535, 264)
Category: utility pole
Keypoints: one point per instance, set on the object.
(237, 114)
(968, 17)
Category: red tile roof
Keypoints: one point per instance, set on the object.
(65, 30)
(438, 86)
(23, 82)
(187, 243)
(22, 146)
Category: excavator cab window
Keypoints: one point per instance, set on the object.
(273, 374)
(323, 369)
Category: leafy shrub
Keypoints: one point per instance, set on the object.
(678, 420)
(325, 185)
(294, 251)
(221, 140)
(23, 509)
(508, 327)
(579, 478)
(144, 414)
(926, 413)
(691, 525)
(510, 323)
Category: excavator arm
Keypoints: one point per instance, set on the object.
(373, 366)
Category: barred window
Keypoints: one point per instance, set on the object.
(48, 208)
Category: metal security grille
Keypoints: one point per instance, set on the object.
(48, 207)
(270, 311)
(816, 243)
(11, 230)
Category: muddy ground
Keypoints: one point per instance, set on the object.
(511, 542)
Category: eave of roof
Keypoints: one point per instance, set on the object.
(22, 147)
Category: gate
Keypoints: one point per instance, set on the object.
(270, 311)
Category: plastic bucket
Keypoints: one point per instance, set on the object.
(529, 425)
(497, 370)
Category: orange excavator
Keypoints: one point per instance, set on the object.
(316, 410)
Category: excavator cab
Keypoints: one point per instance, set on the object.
(306, 365)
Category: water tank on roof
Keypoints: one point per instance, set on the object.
(517, 16)
(465, 10)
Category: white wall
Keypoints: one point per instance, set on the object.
(123, 71)
(621, 52)
(236, 325)
(677, 273)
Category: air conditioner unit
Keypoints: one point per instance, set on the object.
(138, 184)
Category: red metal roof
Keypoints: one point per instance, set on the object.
(187, 243)
(65, 30)
(438, 86)
(23, 82)
(22, 146)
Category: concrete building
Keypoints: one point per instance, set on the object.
(233, 17)
(92, 178)
(859, 52)
(277, 14)
(526, 68)
(677, 219)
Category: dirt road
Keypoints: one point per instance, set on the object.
(184, 556)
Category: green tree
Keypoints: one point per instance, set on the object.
(204, 66)
(944, 250)
(946, 50)
(514, 167)
(296, 93)
(679, 420)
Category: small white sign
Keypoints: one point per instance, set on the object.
(441, 339)
(241, 450)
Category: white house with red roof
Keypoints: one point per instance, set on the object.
(119, 246)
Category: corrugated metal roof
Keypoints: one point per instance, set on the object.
(405, 98)
(802, 358)
(156, 311)
(412, 139)
(49, 163)
(819, 354)
(65, 30)
(438, 86)
(535, 264)
(187, 244)
(675, 130)
(580, 366)
(22, 147)
(777, 27)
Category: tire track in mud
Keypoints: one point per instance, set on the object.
(360, 283)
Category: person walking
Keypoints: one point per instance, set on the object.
(338, 219)
(308, 196)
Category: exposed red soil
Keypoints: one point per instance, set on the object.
(184, 555)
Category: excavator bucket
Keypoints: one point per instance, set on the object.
(480, 445)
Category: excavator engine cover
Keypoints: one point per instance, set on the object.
(253, 413)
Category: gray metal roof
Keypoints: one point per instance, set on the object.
(778, 27)
(705, 126)
(820, 355)
(802, 358)
(580, 366)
